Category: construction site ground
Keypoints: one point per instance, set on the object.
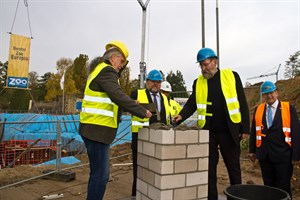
(119, 186)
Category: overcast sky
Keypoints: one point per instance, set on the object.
(255, 36)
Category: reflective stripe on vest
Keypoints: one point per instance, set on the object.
(229, 91)
(230, 94)
(258, 124)
(97, 107)
(286, 123)
(137, 122)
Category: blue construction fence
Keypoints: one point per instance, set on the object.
(44, 126)
(31, 127)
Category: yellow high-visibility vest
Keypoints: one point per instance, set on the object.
(97, 107)
(175, 108)
(137, 122)
(229, 91)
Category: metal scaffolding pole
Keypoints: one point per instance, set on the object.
(203, 23)
(142, 62)
(217, 28)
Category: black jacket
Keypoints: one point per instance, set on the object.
(220, 121)
(274, 145)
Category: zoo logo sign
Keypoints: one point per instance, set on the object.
(17, 82)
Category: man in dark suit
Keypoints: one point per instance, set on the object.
(219, 99)
(275, 139)
(150, 94)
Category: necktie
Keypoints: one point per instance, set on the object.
(270, 120)
(155, 100)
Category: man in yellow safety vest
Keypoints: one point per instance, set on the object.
(150, 94)
(101, 113)
(219, 99)
(175, 107)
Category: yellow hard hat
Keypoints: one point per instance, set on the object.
(120, 45)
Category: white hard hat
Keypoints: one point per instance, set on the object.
(165, 86)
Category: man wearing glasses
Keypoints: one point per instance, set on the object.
(101, 113)
(150, 94)
(219, 99)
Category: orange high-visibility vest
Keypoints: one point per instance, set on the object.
(286, 123)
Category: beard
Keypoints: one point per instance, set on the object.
(154, 90)
(209, 75)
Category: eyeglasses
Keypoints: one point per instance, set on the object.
(123, 61)
(202, 64)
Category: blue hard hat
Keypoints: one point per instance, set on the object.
(205, 53)
(154, 75)
(267, 87)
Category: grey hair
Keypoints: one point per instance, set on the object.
(105, 58)
(110, 52)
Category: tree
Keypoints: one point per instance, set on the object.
(125, 81)
(292, 66)
(53, 86)
(33, 80)
(4, 95)
(177, 83)
(64, 66)
(19, 100)
(41, 90)
(135, 84)
(69, 83)
(80, 72)
(3, 74)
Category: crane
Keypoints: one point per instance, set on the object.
(269, 74)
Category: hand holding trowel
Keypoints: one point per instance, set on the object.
(152, 108)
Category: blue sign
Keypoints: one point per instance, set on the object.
(78, 105)
(18, 82)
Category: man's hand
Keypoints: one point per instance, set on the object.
(244, 136)
(148, 114)
(137, 101)
(252, 157)
(176, 119)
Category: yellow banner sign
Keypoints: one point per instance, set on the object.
(18, 61)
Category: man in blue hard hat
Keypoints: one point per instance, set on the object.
(219, 99)
(275, 139)
(150, 94)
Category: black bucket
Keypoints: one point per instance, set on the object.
(255, 192)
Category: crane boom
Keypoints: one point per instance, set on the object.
(265, 75)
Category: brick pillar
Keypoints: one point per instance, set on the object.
(172, 164)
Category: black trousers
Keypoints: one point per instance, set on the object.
(231, 155)
(277, 174)
(134, 161)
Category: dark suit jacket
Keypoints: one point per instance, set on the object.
(153, 119)
(222, 123)
(274, 145)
